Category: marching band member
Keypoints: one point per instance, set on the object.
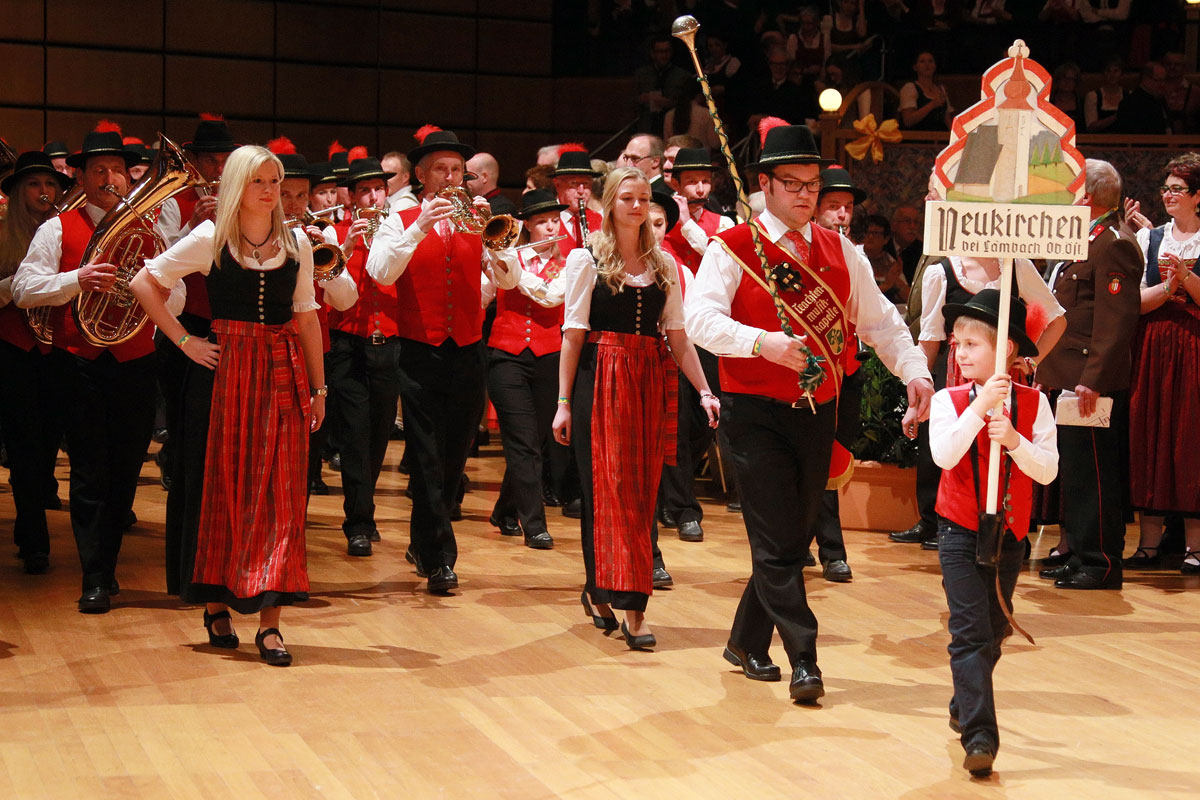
(616, 398)
(523, 370)
(30, 397)
(780, 445)
(58, 151)
(435, 274)
(111, 390)
(692, 175)
(363, 340)
(145, 157)
(400, 191)
(339, 160)
(268, 393)
(573, 183)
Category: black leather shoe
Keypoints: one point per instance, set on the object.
(442, 580)
(129, 521)
(411, 558)
(806, 685)
(666, 519)
(754, 667)
(36, 563)
(374, 535)
(930, 544)
(1086, 580)
(691, 532)
(643, 642)
(229, 641)
(550, 499)
(95, 601)
(917, 533)
(456, 512)
(541, 540)
(507, 525)
(276, 657)
(335, 462)
(735, 507)
(660, 578)
(606, 624)
(1056, 558)
(114, 588)
(159, 436)
(359, 545)
(1056, 573)
(573, 509)
(837, 571)
(318, 486)
(809, 559)
(979, 758)
(53, 503)
(1141, 558)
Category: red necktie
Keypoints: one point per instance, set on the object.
(800, 244)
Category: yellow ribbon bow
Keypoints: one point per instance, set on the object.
(873, 137)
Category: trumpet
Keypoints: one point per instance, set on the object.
(317, 218)
(374, 217)
(498, 232)
(208, 188)
(328, 259)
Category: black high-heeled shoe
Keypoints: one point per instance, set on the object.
(1141, 558)
(643, 642)
(277, 657)
(606, 624)
(229, 641)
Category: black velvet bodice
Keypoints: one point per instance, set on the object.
(632, 310)
(250, 295)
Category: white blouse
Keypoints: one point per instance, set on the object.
(194, 253)
(1030, 287)
(1187, 249)
(581, 273)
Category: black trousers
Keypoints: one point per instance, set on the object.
(781, 455)
(929, 474)
(443, 393)
(31, 421)
(831, 543)
(364, 384)
(977, 624)
(523, 389)
(676, 490)
(1094, 470)
(109, 422)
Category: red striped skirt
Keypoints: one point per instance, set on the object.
(633, 435)
(251, 535)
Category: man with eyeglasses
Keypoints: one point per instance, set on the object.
(645, 152)
(781, 438)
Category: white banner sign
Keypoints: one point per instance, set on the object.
(1006, 230)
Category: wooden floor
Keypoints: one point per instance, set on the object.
(505, 690)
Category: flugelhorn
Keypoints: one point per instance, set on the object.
(374, 217)
(498, 232)
(328, 259)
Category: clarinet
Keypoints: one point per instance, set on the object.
(583, 224)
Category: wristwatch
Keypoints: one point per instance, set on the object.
(321, 391)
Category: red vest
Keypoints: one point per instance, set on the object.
(521, 323)
(77, 229)
(439, 293)
(322, 318)
(15, 330)
(197, 287)
(571, 242)
(376, 310)
(957, 500)
(708, 222)
(752, 305)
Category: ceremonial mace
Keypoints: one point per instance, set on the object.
(684, 28)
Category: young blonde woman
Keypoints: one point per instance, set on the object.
(616, 397)
(268, 394)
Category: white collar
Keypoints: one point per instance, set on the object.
(776, 230)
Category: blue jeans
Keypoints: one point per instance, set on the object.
(977, 624)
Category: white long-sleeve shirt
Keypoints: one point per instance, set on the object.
(710, 297)
(950, 437)
(37, 281)
(546, 293)
(694, 235)
(1030, 287)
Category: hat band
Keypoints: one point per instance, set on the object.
(789, 156)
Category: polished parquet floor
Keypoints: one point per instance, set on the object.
(505, 690)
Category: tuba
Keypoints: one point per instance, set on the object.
(126, 238)
(328, 259)
(498, 232)
(72, 200)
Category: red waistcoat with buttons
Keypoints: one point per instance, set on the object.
(708, 222)
(957, 500)
(439, 293)
(568, 244)
(15, 331)
(521, 323)
(376, 310)
(752, 305)
(197, 289)
(77, 229)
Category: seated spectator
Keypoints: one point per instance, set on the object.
(1181, 97)
(1064, 93)
(1100, 105)
(808, 47)
(776, 96)
(1142, 110)
(659, 85)
(849, 40)
(906, 236)
(924, 104)
(989, 12)
(720, 67)
(889, 270)
(1062, 11)
(938, 15)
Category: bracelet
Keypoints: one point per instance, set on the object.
(758, 343)
(183, 340)
(1167, 288)
(320, 391)
(709, 394)
(564, 401)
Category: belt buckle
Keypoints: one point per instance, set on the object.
(378, 338)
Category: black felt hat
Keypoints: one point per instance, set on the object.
(539, 201)
(692, 158)
(837, 179)
(437, 140)
(56, 149)
(296, 166)
(145, 154)
(575, 162)
(30, 163)
(362, 169)
(106, 143)
(669, 207)
(788, 144)
(986, 306)
(212, 136)
(322, 172)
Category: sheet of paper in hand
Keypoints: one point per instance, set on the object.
(1067, 412)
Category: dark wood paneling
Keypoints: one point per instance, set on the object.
(326, 93)
(417, 98)
(593, 104)
(23, 19)
(516, 153)
(522, 48)
(22, 128)
(104, 79)
(207, 27)
(130, 23)
(313, 139)
(311, 33)
(440, 6)
(422, 41)
(220, 86)
(23, 75)
(516, 103)
(70, 126)
(522, 9)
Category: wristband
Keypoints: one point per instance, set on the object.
(564, 401)
(183, 340)
(320, 391)
(709, 394)
(1167, 288)
(758, 343)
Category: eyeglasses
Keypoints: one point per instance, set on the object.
(1175, 190)
(813, 186)
(633, 158)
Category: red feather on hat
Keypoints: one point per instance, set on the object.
(572, 147)
(107, 126)
(424, 131)
(1036, 321)
(766, 124)
(835, 166)
(357, 152)
(335, 147)
(132, 140)
(209, 117)
(281, 146)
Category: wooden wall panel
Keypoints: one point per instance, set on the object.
(593, 104)
(70, 126)
(313, 139)
(23, 19)
(417, 98)
(23, 75)
(130, 23)
(206, 27)
(104, 79)
(507, 47)
(313, 92)
(516, 151)
(465, 7)
(523, 9)
(426, 41)
(220, 86)
(516, 103)
(22, 128)
(347, 35)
